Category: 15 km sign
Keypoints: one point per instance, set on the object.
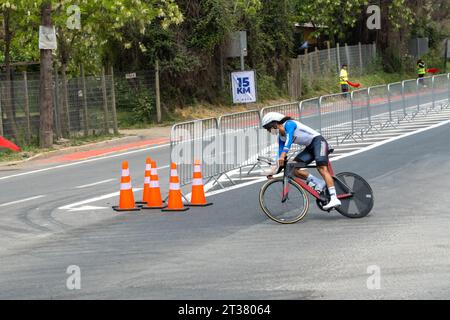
(243, 86)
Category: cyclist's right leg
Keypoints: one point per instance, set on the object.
(307, 156)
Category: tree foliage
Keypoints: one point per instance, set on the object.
(187, 37)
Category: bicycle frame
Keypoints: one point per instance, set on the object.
(311, 191)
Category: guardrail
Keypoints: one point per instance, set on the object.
(235, 141)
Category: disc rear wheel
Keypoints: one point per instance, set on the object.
(361, 202)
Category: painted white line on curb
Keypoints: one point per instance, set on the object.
(94, 184)
(375, 145)
(20, 201)
(84, 161)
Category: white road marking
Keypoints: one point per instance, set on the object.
(85, 161)
(85, 208)
(20, 201)
(94, 184)
(375, 145)
(236, 186)
(163, 167)
(345, 149)
(390, 133)
(380, 143)
(249, 178)
(71, 207)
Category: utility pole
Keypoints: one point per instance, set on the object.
(46, 82)
(243, 47)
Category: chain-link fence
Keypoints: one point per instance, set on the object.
(136, 95)
(328, 61)
(82, 106)
(357, 58)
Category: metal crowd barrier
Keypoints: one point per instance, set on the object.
(410, 97)
(310, 113)
(189, 141)
(395, 92)
(235, 141)
(442, 90)
(425, 97)
(241, 141)
(336, 116)
(360, 114)
(289, 109)
(379, 106)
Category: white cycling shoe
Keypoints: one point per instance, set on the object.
(334, 202)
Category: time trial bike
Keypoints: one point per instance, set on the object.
(285, 199)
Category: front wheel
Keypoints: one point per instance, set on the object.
(282, 208)
(361, 202)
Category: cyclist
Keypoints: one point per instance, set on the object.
(290, 131)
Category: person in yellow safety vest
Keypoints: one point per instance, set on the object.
(343, 78)
(421, 71)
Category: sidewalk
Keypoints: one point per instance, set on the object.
(133, 139)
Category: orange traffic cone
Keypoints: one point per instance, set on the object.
(153, 198)
(175, 202)
(198, 198)
(146, 191)
(126, 200)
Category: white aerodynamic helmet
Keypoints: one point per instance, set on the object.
(271, 117)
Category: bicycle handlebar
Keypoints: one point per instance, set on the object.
(283, 166)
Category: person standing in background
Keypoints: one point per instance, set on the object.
(343, 79)
(421, 71)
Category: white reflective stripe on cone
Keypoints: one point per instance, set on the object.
(153, 172)
(125, 186)
(154, 184)
(148, 167)
(174, 186)
(173, 173)
(197, 169)
(125, 172)
(147, 180)
(197, 182)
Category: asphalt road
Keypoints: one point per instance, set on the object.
(230, 250)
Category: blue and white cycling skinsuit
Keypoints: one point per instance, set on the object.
(297, 133)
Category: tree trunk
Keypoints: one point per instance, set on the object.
(46, 81)
(7, 96)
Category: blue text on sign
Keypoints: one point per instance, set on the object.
(244, 85)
